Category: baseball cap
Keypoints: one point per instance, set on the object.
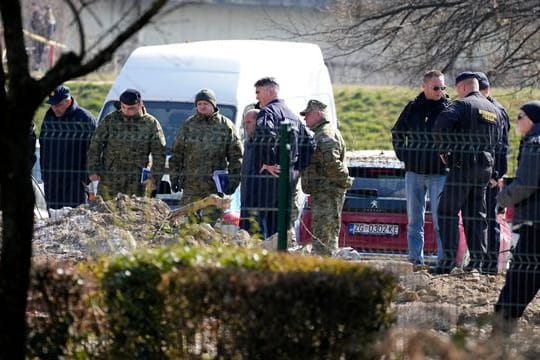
(58, 94)
(313, 105)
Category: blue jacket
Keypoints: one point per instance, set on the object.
(63, 144)
(260, 190)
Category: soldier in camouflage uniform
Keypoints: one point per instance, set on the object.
(121, 146)
(326, 179)
(206, 142)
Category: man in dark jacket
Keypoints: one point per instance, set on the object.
(262, 172)
(500, 168)
(64, 140)
(425, 172)
(523, 277)
(467, 133)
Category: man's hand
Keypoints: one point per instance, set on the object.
(272, 169)
(444, 158)
(94, 177)
(150, 184)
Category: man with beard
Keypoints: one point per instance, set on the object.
(207, 142)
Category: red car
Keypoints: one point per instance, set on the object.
(374, 217)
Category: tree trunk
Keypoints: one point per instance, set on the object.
(17, 204)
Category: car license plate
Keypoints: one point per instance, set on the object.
(374, 229)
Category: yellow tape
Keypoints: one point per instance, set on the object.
(43, 39)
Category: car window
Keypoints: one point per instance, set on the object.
(172, 114)
(377, 182)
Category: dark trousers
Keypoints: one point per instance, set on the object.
(523, 277)
(493, 230)
(465, 191)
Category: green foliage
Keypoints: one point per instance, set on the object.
(55, 303)
(245, 304)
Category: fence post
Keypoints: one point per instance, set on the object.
(284, 188)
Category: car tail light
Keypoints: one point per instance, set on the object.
(307, 203)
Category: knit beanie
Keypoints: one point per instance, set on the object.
(207, 95)
(532, 110)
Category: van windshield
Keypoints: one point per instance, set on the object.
(171, 115)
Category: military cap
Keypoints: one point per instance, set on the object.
(466, 75)
(313, 105)
(532, 110)
(58, 94)
(206, 95)
(482, 80)
(130, 97)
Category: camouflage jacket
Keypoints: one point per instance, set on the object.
(121, 146)
(327, 170)
(202, 145)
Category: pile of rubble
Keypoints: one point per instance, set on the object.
(120, 225)
(441, 305)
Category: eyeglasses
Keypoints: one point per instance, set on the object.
(437, 88)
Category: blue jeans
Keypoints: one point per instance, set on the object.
(417, 186)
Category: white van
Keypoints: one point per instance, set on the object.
(169, 76)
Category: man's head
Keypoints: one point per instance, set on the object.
(466, 82)
(528, 117)
(206, 103)
(60, 100)
(131, 103)
(483, 83)
(314, 113)
(433, 85)
(266, 90)
(249, 121)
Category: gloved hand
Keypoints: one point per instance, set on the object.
(176, 185)
(230, 190)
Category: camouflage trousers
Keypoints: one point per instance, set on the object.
(326, 220)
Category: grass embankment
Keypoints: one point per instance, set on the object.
(366, 113)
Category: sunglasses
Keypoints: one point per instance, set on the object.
(437, 88)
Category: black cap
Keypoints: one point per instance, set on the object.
(482, 80)
(532, 109)
(58, 94)
(465, 75)
(130, 97)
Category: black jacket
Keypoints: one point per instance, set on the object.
(524, 192)
(502, 148)
(64, 143)
(412, 136)
(469, 130)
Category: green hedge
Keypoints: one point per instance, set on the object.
(214, 302)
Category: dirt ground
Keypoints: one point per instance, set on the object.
(434, 312)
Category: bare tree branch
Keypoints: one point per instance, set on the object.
(452, 35)
(71, 65)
